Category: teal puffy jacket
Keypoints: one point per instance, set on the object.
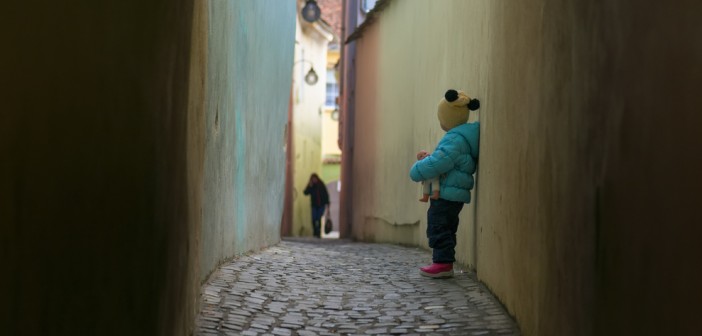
(456, 156)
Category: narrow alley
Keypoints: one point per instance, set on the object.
(165, 165)
(335, 287)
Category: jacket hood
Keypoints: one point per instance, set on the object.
(464, 130)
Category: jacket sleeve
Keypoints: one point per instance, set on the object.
(474, 141)
(308, 190)
(439, 162)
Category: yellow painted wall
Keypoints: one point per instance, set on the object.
(330, 134)
(586, 216)
(330, 127)
(308, 109)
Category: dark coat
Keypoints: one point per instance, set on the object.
(319, 195)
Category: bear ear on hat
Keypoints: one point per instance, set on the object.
(451, 95)
(473, 104)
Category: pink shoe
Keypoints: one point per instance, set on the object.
(437, 270)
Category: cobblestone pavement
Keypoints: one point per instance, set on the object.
(335, 287)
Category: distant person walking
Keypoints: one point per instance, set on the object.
(319, 197)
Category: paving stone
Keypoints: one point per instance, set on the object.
(282, 331)
(209, 333)
(429, 326)
(435, 321)
(232, 327)
(398, 331)
(259, 326)
(321, 287)
(306, 333)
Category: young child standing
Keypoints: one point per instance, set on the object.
(454, 162)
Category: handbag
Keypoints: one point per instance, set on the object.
(327, 225)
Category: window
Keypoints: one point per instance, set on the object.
(332, 89)
(367, 5)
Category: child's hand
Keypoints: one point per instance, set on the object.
(422, 154)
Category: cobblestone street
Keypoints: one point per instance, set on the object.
(333, 287)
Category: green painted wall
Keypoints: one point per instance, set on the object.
(115, 178)
(247, 89)
(330, 172)
(584, 220)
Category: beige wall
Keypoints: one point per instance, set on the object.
(589, 167)
(403, 70)
(308, 108)
(330, 134)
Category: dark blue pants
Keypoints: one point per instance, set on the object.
(317, 213)
(442, 223)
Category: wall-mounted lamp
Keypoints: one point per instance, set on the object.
(311, 77)
(311, 12)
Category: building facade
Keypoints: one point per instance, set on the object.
(308, 112)
(577, 223)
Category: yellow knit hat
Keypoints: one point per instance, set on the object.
(454, 108)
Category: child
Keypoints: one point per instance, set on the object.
(454, 162)
(430, 186)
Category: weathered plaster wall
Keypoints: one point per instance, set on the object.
(330, 134)
(93, 182)
(540, 149)
(130, 131)
(404, 68)
(589, 170)
(249, 56)
(647, 199)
